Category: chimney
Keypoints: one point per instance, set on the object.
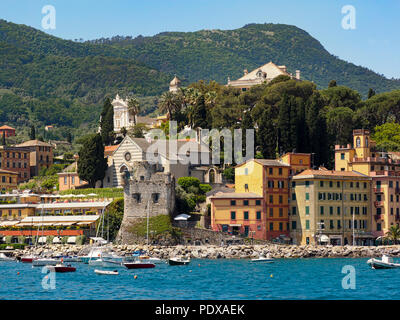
(298, 74)
(245, 71)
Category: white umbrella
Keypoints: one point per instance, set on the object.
(92, 194)
(182, 216)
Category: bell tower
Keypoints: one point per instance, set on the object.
(361, 143)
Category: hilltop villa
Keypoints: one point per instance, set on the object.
(262, 74)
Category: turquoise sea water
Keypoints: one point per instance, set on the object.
(212, 279)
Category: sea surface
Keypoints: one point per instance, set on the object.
(207, 279)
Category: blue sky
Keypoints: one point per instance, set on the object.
(374, 43)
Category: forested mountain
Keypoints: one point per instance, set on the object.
(48, 80)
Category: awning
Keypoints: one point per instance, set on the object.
(182, 217)
(42, 240)
(8, 223)
(235, 225)
(324, 238)
(63, 223)
(56, 240)
(85, 223)
(71, 240)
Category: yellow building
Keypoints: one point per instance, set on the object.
(238, 213)
(383, 168)
(297, 161)
(329, 207)
(8, 180)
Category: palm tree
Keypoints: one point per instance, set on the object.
(168, 103)
(209, 98)
(133, 107)
(393, 234)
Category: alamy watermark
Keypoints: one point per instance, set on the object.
(349, 281)
(349, 20)
(49, 280)
(49, 20)
(192, 147)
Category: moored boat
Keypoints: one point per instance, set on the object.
(28, 259)
(385, 263)
(106, 272)
(3, 257)
(177, 261)
(41, 262)
(138, 265)
(261, 258)
(61, 268)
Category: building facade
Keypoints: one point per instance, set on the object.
(330, 207)
(384, 170)
(7, 131)
(41, 155)
(263, 74)
(16, 159)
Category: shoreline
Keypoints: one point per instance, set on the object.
(222, 252)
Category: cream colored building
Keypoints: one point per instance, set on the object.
(325, 205)
(262, 74)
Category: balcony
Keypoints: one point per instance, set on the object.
(378, 190)
(377, 217)
(378, 204)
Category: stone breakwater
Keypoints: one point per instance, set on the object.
(222, 252)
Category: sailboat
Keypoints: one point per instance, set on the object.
(31, 257)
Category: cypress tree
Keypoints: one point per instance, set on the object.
(32, 134)
(4, 138)
(266, 134)
(284, 125)
(91, 163)
(371, 93)
(107, 123)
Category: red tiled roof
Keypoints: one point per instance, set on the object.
(6, 127)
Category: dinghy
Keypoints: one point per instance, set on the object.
(385, 263)
(107, 272)
(179, 261)
(261, 258)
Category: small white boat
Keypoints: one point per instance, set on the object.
(45, 262)
(3, 257)
(385, 263)
(261, 258)
(107, 272)
(156, 260)
(178, 261)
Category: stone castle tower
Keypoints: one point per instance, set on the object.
(147, 192)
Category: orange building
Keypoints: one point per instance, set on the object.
(16, 159)
(7, 131)
(8, 180)
(41, 155)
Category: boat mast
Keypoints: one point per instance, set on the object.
(148, 213)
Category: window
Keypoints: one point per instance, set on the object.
(321, 210)
(280, 171)
(331, 224)
(19, 213)
(338, 224)
(293, 184)
(258, 215)
(137, 197)
(321, 183)
(246, 186)
(338, 184)
(293, 211)
(331, 210)
(307, 210)
(73, 180)
(270, 170)
(330, 184)
(271, 199)
(294, 226)
(281, 184)
(390, 184)
(233, 202)
(280, 199)
(245, 202)
(307, 224)
(307, 183)
(233, 215)
(246, 215)
(270, 184)
(246, 171)
(156, 197)
(293, 196)
(281, 212)
(65, 180)
(258, 202)
(378, 227)
(338, 211)
(342, 156)
(307, 196)
(271, 212)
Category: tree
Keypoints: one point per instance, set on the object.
(4, 138)
(133, 107)
(267, 135)
(32, 134)
(167, 103)
(124, 131)
(340, 124)
(107, 123)
(91, 163)
(69, 136)
(138, 130)
(371, 93)
(332, 83)
(393, 234)
(387, 136)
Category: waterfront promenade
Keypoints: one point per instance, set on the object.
(224, 252)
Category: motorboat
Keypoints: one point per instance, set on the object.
(156, 260)
(3, 257)
(262, 258)
(41, 262)
(61, 267)
(94, 253)
(138, 265)
(28, 259)
(385, 263)
(178, 261)
(69, 258)
(106, 272)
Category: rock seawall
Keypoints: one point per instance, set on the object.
(224, 252)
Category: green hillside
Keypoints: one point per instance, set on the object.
(47, 80)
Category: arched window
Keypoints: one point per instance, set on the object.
(366, 142)
(358, 142)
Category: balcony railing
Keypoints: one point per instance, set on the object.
(378, 204)
(378, 190)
